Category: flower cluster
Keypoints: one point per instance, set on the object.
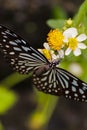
(61, 43)
(74, 41)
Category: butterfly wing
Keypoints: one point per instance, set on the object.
(22, 57)
(57, 81)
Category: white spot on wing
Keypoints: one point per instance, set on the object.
(66, 92)
(23, 41)
(4, 40)
(83, 96)
(74, 82)
(3, 33)
(18, 41)
(49, 90)
(7, 46)
(75, 94)
(5, 36)
(12, 43)
(25, 48)
(73, 89)
(81, 91)
(17, 49)
(12, 53)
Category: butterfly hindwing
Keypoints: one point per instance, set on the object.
(57, 81)
(47, 82)
(21, 56)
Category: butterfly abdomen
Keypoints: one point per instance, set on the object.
(41, 70)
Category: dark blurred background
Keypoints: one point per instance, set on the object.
(28, 19)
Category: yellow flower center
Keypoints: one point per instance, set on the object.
(55, 39)
(72, 43)
(46, 54)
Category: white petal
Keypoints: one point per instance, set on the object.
(68, 50)
(52, 52)
(77, 52)
(82, 46)
(40, 50)
(61, 53)
(55, 56)
(46, 46)
(70, 32)
(81, 37)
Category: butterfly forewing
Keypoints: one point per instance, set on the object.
(22, 57)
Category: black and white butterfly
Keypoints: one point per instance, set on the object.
(47, 77)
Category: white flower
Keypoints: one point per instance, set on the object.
(50, 53)
(59, 54)
(46, 46)
(74, 42)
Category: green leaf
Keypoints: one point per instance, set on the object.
(81, 16)
(7, 99)
(56, 23)
(80, 19)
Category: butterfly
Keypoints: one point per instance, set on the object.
(47, 77)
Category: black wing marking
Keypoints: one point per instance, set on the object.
(22, 57)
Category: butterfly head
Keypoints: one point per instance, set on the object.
(55, 63)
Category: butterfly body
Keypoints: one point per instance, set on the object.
(47, 77)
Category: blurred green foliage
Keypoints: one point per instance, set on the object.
(58, 12)
(59, 17)
(56, 23)
(7, 99)
(41, 116)
(1, 127)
